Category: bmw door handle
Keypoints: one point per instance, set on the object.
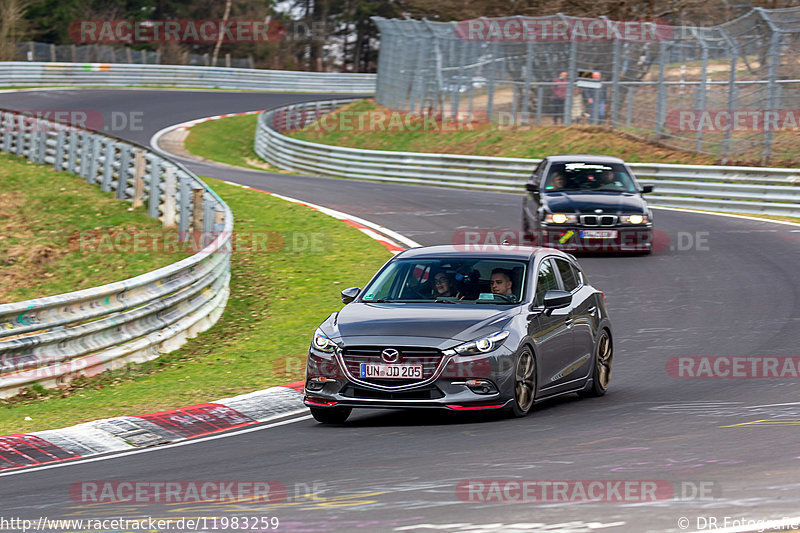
(568, 322)
(592, 309)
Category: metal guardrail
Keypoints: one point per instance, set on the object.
(24, 73)
(754, 190)
(53, 339)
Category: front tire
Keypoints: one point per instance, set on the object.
(331, 415)
(524, 383)
(601, 371)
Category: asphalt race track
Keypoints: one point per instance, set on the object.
(723, 448)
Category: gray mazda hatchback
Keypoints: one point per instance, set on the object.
(452, 328)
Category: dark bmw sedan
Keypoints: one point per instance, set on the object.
(588, 203)
(444, 327)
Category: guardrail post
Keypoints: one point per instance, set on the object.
(197, 211)
(122, 171)
(139, 166)
(156, 168)
(7, 125)
(184, 208)
(91, 178)
(20, 135)
(58, 163)
(108, 165)
(42, 146)
(208, 219)
(71, 152)
(170, 193)
(85, 155)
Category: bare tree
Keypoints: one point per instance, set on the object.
(12, 27)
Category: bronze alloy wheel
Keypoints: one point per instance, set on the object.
(604, 360)
(601, 373)
(524, 383)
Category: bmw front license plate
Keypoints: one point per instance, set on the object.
(598, 234)
(370, 370)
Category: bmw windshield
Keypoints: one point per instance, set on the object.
(457, 281)
(589, 177)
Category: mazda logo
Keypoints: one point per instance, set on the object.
(390, 355)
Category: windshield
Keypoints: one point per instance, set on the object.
(603, 177)
(458, 281)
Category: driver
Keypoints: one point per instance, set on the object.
(501, 282)
(607, 179)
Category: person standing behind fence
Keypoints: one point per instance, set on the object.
(596, 99)
(559, 96)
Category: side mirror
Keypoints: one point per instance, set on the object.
(556, 300)
(646, 189)
(348, 295)
(531, 187)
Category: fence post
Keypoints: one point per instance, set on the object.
(734, 52)
(774, 47)
(572, 72)
(661, 103)
(615, 72)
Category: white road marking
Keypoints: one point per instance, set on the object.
(165, 446)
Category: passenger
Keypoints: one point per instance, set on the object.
(443, 287)
(501, 282)
(557, 182)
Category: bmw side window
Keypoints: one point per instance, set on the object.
(567, 275)
(545, 280)
(537, 173)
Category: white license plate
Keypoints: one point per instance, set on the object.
(598, 234)
(370, 370)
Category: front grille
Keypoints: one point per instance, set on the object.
(429, 358)
(598, 220)
(352, 391)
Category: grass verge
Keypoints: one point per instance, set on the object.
(279, 293)
(228, 140)
(44, 215)
(360, 127)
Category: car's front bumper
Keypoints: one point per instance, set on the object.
(449, 388)
(571, 238)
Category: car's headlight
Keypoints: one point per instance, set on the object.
(322, 343)
(479, 346)
(634, 219)
(560, 218)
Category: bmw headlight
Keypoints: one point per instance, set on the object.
(479, 346)
(322, 343)
(634, 219)
(560, 218)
